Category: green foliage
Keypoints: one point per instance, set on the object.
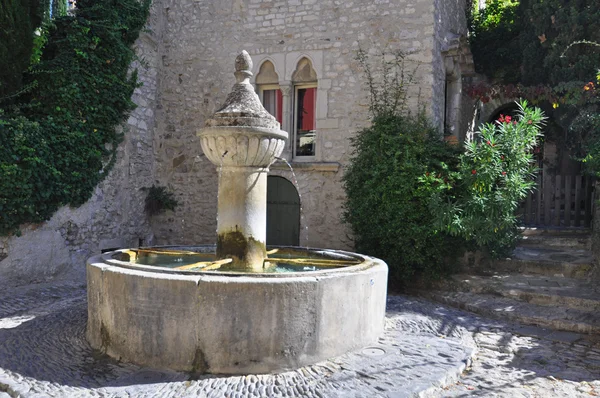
(555, 45)
(59, 8)
(494, 39)
(525, 41)
(552, 26)
(584, 125)
(158, 200)
(386, 205)
(18, 21)
(479, 201)
(60, 139)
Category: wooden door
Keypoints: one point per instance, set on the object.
(283, 212)
(560, 201)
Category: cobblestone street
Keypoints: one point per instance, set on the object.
(426, 348)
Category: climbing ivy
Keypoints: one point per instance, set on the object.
(18, 21)
(59, 138)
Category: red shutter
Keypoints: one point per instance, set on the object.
(309, 109)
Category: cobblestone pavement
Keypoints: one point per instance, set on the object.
(426, 347)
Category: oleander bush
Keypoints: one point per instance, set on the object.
(496, 173)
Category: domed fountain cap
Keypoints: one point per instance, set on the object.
(243, 108)
(242, 132)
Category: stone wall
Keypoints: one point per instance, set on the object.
(114, 216)
(187, 56)
(452, 66)
(199, 44)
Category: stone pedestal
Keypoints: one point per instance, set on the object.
(242, 224)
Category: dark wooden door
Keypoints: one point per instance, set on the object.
(283, 212)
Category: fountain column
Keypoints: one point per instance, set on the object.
(242, 139)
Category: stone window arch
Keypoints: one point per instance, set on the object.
(304, 80)
(267, 83)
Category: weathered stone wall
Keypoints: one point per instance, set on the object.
(188, 57)
(450, 28)
(114, 216)
(202, 38)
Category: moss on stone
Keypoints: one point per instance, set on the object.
(245, 252)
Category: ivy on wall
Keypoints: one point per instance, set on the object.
(18, 21)
(59, 138)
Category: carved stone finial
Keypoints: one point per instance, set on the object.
(243, 67)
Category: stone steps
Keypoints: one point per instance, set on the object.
(545, 282)
(498, 307)
(554, 261)
(534, 289)
(568, 240)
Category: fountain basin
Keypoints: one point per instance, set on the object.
(232, 322)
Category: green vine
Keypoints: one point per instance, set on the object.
(60, 135)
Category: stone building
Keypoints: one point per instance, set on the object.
(307, 76)
(305, 73)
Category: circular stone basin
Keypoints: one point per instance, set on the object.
(179, 308)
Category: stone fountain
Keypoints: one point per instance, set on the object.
(243, 140)
(242, 308)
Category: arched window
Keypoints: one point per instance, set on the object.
(304, 79)
(267, 82)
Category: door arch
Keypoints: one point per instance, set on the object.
(283, 212)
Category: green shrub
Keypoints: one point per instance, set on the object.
(60, 139)
(494, 37)
(158, 200)
(479, 201)
(386, 204)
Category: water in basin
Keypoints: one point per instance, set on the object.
(279, 260)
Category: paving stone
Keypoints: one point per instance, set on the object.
(43, 352)
(426, 351)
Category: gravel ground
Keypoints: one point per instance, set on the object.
(427, 350)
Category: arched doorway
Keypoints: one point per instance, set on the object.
(283, 212)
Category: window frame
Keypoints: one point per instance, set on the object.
(266, 87)
(297, 87)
